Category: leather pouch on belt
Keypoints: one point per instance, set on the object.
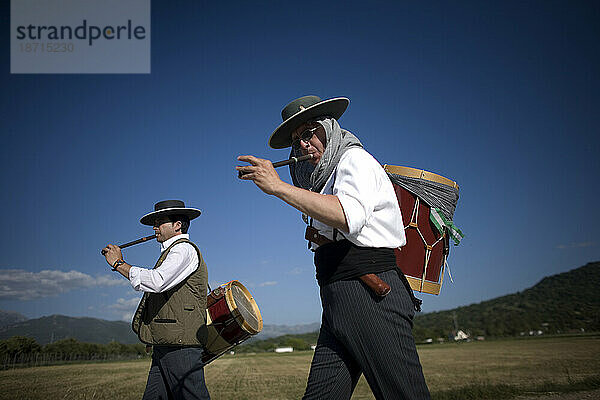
(377, 285)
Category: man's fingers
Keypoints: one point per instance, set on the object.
(250, 159)
(255, 161)
(258, 172)
(245, 169)
(111, 247)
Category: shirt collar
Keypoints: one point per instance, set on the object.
(164, 245)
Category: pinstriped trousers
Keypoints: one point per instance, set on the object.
(361, 333)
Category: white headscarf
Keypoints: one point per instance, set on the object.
(338, 140)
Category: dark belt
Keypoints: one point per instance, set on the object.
(377, 285)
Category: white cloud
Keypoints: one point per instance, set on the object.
(18, 284)
(576, 245)
(126, 308)
(268, 283)
(296, 271)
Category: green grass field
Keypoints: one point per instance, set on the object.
(489, 369)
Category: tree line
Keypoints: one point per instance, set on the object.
(23, 351)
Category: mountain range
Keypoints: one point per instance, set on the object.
(560, 303)
(8, 318)
(92, 330)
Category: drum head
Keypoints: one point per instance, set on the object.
(421, 174)
(240, 299)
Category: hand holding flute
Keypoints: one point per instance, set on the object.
(325, 208)
(282, 163)
(113, 253)
(263, 173)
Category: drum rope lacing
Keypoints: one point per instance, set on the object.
(414, 218)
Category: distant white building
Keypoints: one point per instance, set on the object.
(460, 335)
(284, 349)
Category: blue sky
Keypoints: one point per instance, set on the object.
(501, 97)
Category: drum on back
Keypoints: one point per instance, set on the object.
(423, 258)
(232, 317)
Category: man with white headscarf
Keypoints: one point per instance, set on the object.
(355, 224)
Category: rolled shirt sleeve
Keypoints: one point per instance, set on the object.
(181, 261)
(368, 200)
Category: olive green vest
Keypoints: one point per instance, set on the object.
(178, 315)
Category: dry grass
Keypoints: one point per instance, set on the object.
(518, 363)
(515, 362)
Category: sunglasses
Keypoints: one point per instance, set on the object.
(306, 135)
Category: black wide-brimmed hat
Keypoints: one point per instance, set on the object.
(169, 207)
(303, 110)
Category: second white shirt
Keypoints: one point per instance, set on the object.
(181, 261)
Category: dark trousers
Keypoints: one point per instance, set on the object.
(176, 373)
(361, 333)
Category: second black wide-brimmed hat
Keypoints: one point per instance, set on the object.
(302, 110)
(169, 207)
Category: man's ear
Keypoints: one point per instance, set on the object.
(177, 226)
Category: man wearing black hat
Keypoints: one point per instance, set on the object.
(172, 313)
(354, 226)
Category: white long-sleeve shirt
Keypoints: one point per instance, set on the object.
(181, 261)
(369, 202)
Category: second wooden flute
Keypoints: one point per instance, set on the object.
(283, 163)
(140, 240)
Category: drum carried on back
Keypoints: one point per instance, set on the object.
(232, 317)
(427, 202)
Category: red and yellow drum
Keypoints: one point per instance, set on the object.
(423, 258)
(232, 317)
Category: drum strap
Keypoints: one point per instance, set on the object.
(416, 301)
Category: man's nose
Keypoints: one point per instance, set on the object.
(304, 145)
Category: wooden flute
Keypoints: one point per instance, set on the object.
(283, 163)
(137, 241)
